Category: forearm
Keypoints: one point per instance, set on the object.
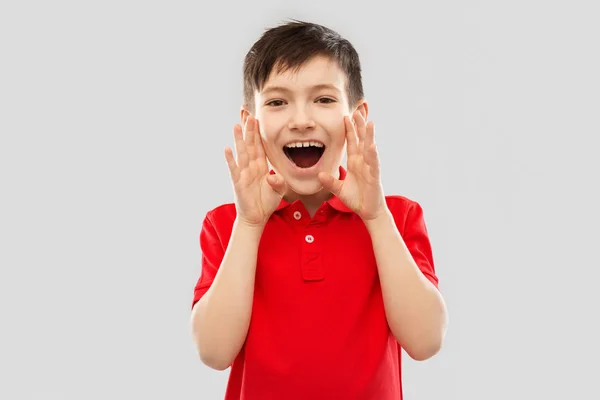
(414, 307)
(221, 318)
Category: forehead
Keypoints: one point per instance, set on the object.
(317, 71)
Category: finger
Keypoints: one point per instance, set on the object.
(277, 183)
(351, 138)
(250, 138)
(330, 183)
(360, 125)
(259, 147)
(240, 147)
(261, 158)
(233, 168)
(372, 160)
(370, 134)
(360, 131)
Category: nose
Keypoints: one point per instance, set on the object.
(301, 121)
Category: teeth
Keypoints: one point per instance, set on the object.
(304, 144)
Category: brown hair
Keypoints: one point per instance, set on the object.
(290, 46)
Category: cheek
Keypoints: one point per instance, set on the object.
(268, 133)
(337, 133)
(270, 125)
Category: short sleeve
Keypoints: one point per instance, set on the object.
(417, 240)
(211, 254)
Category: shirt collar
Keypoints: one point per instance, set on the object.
(334, 201)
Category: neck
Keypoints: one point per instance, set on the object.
(312, 202)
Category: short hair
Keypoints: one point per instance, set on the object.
(290, 46)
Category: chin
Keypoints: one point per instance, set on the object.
(305, 187)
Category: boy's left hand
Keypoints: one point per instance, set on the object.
(361, 190)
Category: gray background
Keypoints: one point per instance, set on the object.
(113, 118)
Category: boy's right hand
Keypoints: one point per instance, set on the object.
(257, 192)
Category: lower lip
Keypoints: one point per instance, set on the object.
(306, 171)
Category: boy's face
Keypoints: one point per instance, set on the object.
(301, 117)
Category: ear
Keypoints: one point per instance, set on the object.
(244, 113)
(363, 108)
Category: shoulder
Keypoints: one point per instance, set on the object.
(406, 211)
(398, 204)
(221, 214)
(219, 221)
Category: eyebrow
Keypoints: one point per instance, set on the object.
(287, 90)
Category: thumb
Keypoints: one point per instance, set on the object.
(330, 183)
(277, 183)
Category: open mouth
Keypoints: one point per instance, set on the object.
(304, 154)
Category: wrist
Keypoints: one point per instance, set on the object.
(381, 220)
(249, 227)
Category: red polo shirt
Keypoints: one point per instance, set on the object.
(318, 328)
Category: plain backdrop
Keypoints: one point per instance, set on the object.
(113, 120)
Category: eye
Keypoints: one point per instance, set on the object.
(326, 100)
(275, 103)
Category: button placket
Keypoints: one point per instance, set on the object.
(312, 257)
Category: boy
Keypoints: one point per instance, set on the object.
(312, 280)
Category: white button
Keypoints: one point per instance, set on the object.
(297, 215)
(309, 239)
